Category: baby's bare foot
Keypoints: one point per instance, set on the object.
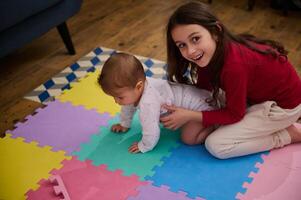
(203, 135)
(295, 133)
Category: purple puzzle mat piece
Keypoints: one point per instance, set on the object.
(61, 125)
(150, 192)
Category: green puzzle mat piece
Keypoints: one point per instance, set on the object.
(111, 149)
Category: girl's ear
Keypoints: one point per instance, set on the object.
(219, 27)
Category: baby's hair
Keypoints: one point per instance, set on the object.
(119, 71)
(199, 13)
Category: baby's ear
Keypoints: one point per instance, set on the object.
(140, 85)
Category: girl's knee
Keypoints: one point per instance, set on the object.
(215, 148)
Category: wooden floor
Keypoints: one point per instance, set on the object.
(134, 26)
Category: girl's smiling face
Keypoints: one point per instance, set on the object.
(195, 43)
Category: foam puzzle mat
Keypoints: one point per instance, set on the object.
(66, 150)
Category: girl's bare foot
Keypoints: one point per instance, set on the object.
(294, 131)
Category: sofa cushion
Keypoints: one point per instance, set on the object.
(15, 11)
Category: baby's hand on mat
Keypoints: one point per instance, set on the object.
(117, 128)
(134, 148)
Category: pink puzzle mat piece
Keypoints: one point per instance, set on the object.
(83, 181)
(61, 125)
(59, 187)
(44, 192)
(278, 178)
(150, 192)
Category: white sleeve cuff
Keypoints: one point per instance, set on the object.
(142, 147)
(126, 124)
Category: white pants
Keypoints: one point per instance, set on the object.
(262, 128)
(191, 98)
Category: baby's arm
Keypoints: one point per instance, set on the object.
(149, 118)
(126, 116)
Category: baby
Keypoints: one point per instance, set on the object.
(123, 78)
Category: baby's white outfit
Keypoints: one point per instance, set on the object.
(156, 93)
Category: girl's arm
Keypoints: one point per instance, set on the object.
(180, 116)
(235, 82)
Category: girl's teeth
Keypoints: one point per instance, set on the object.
(197, 58)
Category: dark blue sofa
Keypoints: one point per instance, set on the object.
(21, 21)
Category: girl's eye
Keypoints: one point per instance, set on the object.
(181, 45)
(195, 39)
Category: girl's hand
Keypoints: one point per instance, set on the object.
(134, 148)
(177, 117)
(117, 128)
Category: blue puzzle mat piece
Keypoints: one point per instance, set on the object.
(195, 171)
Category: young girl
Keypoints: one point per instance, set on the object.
(262, 90)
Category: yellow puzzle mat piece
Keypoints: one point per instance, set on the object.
(22, 165)
(88, 93)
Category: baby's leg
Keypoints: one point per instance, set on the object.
(194, 133)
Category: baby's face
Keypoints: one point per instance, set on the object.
(126, 96)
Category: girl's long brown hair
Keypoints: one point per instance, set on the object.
(199, 13)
